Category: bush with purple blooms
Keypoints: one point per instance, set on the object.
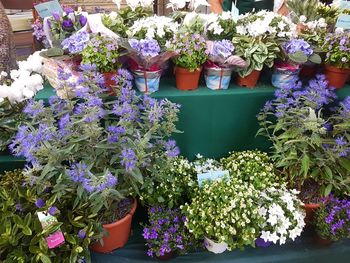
(166, 233)
(191, 49)
(299, 51)
(101, 51)
(65, 25)
(308, 145)
(100, 150)
(332, 219)
(337, 47)
(76, 43)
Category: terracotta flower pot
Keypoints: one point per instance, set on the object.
(321, 242)
(166, 256)
(187, 80)
(308, 71)
(119, 233)
(249, 81)
(336, 76)
(310, 210)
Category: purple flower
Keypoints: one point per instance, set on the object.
(115, 133)
(81, 234)
(77, 172)
(146, 47)
(223, 48)
(111, 180)
(341, 141)
(40, 203)
(67, 24)
(69, 10)
(34, 109)
(53, 210)
(56, 15)
(128, 159)
(19, 207)
(38, 31)
(76, 43)
(82, 20)
(171, 149)
(295, 45)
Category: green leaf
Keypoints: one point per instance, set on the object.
(328, 190)
(305, 164)
(328, 172)
(315, 58)
(45, 259)
(298, 57)
(27, 231)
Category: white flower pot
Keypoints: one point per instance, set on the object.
(216, 248)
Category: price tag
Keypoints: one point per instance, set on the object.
(46, 9)
(211, 176)
(55, 239)
(343, 21)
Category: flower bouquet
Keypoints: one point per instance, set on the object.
(294, 53)
(337, 62)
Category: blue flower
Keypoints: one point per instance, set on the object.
(76, 43)
(40, 203)
(223, 48)
(171, 149)
(34, 108)
(77, 172)
(128, 159)
(114, 133)
(296, 45)
(52, 210)
(146, 47)
(81, 234)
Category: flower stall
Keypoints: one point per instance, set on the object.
(142, 137)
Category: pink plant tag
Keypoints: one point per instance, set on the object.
(56, 239)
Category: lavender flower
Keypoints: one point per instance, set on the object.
(128, 159)
(53, 210)
(82, 234)
(295, 45)
(40, 203)
(171, 149)
(34, 109)
(76, 43)
(146, 47)
(77, 172)
(223, 48)
(115, 133)
(38, 30)
(67, 24)
(56, 15)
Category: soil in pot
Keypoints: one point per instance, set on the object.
(336, 77)
(249, 81)
(119, 231)
(187, 80)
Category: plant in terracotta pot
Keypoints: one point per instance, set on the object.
(192, 55)
(224, 213)
(102, 51)
(305, 148)
(70, 149)
(166, 234)
(294, 53)
(337, 62)
(332, 221)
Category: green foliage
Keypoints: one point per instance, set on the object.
(298, 8)
(103, 52)
(329, 13)
(224, 23)
(256, 52)
(336, 46)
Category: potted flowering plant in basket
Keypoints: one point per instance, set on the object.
(310, 154)
(166, 234)
(337, 62)
(16, 88)
(192, 53)
(332, 221)
(73, 151)
(103, 52)
(294, 53)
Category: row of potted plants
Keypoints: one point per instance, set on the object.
(220, 44)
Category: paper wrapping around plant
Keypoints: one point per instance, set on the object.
(217, 78)
(95, 25)
(280, 79)
(147, 62)
(50, 71)
(147, 82)
(47, 29)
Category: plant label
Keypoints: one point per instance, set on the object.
(344, 4)
(46, 9)
(234, 11)
(211, 176)
(55, 239)
(343, 21)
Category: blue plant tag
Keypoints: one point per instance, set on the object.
(234, 12)
(343, 21)
(46, 9)
(344, 4)
(211, 176)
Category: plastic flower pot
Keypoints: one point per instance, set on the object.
(147, 81)
(167, 256)
(259, 242)
(322, 242)
(283, 75)
(186, 79)
(118, 233)
(249, 81)
(214, 247)
(310, 210)
(217, 78)
(336, 77)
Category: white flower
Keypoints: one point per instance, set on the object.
(117, 2)
(283, 240)
(133, 3)
(265, 235)
(272, 220)
(176, 4)
(302, 18)
(339, 30)
(274, 238)
(3, 74)
(194, 4)
(262, 211)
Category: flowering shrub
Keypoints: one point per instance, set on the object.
(102, 162)
(220, 26)
(15, 89)
(224, 211)
(191, 49)
(337, 46)
(253, 167)
(76, 43)
(172, 185)
(332, 219)
(166, 232)
(160, 28)
(101, 51)
(283, 215)
(305, 146)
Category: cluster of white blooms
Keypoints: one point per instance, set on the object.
(155, 27)
(22, 83)
(317, 24)
(192, 4)
(203, 165)
(283, 215)
(266, 23)
(213, 22)
(135, 3)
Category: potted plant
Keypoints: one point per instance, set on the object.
(166, 234)
(337, 62)
(332, 221)
(224, 213)
(103, 52)
(188, 64)
(17, 87)
(294, 53)
(304, 145)
(101, 162)
(283, 216)
(257, 53)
